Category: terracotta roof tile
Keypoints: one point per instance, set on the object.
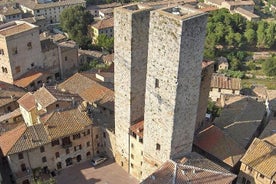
(33, 137)
(261, 156)
(215, 142)
(240, 118)
(27, 79)
(32, 5)
(188, 171)
(138, 128)
(103, 24)
(9, 93)
(223, 82)
(27, 101)
(269, 133)
(9, 115)
(66, 122)
(15, 29)
(8, 139)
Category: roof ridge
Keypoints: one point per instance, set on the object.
(208, 170)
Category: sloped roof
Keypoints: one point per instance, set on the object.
(103, 24)
(240, 118)
(46, 96)
(33, 137)
(66, 122)
(54, 125)
(32, 5)
(13, 28)
(138, 128)
(90, 89)
(9, 93)
(27, 101)
(269, 133)
(8, 139)
(223, 82)
(215, 142)
(191, 169)
(28, 78)
(261, 156)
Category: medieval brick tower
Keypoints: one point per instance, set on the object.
(175, 54)
(131, 47)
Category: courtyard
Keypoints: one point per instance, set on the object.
(106, 173)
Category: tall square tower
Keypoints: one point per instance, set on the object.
(131, 32)
(176, 42)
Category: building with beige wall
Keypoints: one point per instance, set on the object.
(19, 41)
(104, 27)
(258, 163)
(51, 10)
(57, 133)
(10, 12)
(223, 85)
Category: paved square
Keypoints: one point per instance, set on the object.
(105, 173)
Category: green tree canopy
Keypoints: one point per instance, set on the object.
(105, 42)
(269, 66)
(75, 21)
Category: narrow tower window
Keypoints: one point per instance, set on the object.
(156, 83)
(158, 147)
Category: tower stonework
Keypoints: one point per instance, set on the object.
(176, 41)
(131, 25)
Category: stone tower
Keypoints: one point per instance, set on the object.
(131, 32)
(176, 41)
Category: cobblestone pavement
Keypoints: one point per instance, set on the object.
(105, 173)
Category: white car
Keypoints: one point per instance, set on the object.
(97, 160)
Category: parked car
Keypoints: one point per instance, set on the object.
(97, 160)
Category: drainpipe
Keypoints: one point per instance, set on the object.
(128, 150)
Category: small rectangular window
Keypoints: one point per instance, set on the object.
(20, 156)
(2, 51)
(17, 69)
(55, 142)
(29, 45)
(44, 159)
(76, 136)
(156, 83)
(261, 176)
(42, 149)
(158, 147)
(132, 156)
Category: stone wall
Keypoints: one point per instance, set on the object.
(130, 58)
(173, 83)
(206, 76)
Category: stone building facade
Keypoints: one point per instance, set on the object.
(173, 83)
(206, 76)
(130, 58)
(156, 92)
(19, 41)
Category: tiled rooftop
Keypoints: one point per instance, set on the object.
(28, 78)
(32, 5)
(191, 169)
(9, 93)
(103, 24)
(215, 142)
(9, 10)
(138, 128)
(269, 133)
(223, 82)
(261, 156)
(9, 29)
(27, 101)
(9, 139)
(66, 122)
(90, 89)
(46, 96)
(240, 118)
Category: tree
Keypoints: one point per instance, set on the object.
(261, 37)
(75, 21)
(269, 66)
(105, 42)
(250, 36)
